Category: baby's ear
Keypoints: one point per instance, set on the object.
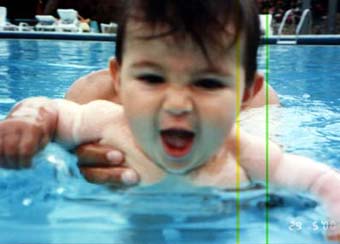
(252, 91)
(115, 73)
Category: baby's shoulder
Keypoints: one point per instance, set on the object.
(253, 150)
(104, 105)
(222, 170)
(239, 140)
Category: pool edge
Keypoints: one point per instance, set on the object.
(279, 40)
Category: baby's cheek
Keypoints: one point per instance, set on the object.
(214, 135)
(222, 123)
(142, 128)
(138, 111)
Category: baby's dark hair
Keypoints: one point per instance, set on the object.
(204, 21)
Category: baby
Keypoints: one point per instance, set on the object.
(183, 71)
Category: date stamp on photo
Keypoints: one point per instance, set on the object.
(296, 225)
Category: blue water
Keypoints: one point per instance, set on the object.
(52, 203)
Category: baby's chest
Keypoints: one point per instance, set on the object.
(222, 171)
(122, 140)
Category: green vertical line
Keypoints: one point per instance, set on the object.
(267, 127)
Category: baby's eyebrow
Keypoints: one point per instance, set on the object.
(146, 63)
(210, 69)
(216, 69)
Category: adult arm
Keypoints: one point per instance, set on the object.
(94, 86)
(259, 99)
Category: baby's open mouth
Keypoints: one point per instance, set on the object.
(177, 142)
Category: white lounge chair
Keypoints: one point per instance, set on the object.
(25, 27)
(263, 23)
(46, 23)
(68, 20)
(4, 24)
(3, 16)
(108, 28)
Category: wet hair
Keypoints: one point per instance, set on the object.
(204, 21)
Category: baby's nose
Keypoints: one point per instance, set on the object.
(178, 102)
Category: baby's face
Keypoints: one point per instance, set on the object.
(180, 108)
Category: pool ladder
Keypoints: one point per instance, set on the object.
(304, 26)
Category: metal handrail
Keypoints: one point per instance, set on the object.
(283, 22)
(305, 14)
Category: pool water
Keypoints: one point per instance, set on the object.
(52, 203)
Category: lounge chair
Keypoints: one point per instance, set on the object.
(46, 23)
(4, 24)
(263, 22)
(108, 28)
(3, 16)
(25, 27)
(68, 20)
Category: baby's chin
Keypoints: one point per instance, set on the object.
(179, 167)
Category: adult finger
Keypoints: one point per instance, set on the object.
(114, 176)
(29, 145)
(11, 149)
(2, 154)
(334, 238)
(95, 154)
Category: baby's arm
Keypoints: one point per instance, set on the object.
(317, 178)
(36, 121)
(26, 130)
(294, 172)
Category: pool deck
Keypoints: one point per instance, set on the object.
(302, 40)
(57, 36)
(280, 40)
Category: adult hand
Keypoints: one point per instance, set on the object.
(20, 139)
(103, 164)
(27, 129)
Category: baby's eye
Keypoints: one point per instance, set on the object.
(209, 84)
(151, 79)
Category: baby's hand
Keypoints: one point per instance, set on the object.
(334, 237)
(333, 233)
(327, 188)
(333, 207)
(20, 139)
